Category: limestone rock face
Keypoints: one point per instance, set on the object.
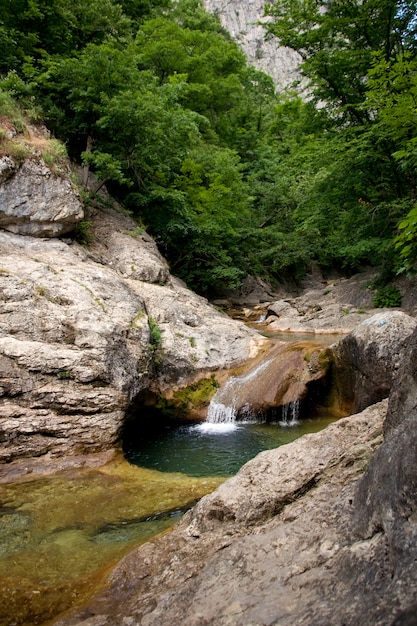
(76, 345)
(36, 202)
(367, 360)
(241, 19)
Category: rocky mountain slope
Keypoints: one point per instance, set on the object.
(242, 20)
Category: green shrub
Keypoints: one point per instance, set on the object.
(387, 297)
(54, 153)
(156, 335)
(83, 233)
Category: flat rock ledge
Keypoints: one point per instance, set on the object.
(274, 545)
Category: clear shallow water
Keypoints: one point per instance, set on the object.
(215, 449)
(59, 534)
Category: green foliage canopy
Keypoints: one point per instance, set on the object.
(228, 176)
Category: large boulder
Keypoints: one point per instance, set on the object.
(34, 201)
(403, 396)
(385, 500)
(82, 336)
(367, 360)
(387, 495)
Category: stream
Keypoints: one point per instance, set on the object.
(59, 535)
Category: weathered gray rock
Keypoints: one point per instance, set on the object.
(281, 308)
(386, 499)
(36, 202)
(76, 346)
(7, 168)
(134, 256)
(403, 396)
(367, 360)
(242, 20)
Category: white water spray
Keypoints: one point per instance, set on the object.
(227, 401)
(290, 414)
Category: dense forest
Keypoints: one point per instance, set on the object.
(230, 177)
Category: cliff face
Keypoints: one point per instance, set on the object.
(85, 329)
(241, 19)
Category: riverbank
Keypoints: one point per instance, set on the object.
(317, 305)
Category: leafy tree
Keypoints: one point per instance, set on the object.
(356, 186)
(336, 41)
(209, 63)
(217, 203)
(392, 92)
(31, 30)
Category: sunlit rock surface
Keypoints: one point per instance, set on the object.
(242, 19)
(85, 329)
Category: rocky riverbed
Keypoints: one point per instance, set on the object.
(322, 531)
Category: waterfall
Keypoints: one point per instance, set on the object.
(218, 413)
(228, 401)
(290, 414)
(262, 318)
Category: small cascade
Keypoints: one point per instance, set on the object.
(228, 401)
(261, 318)
(290, 414)
(218, 413)
(275, 390)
